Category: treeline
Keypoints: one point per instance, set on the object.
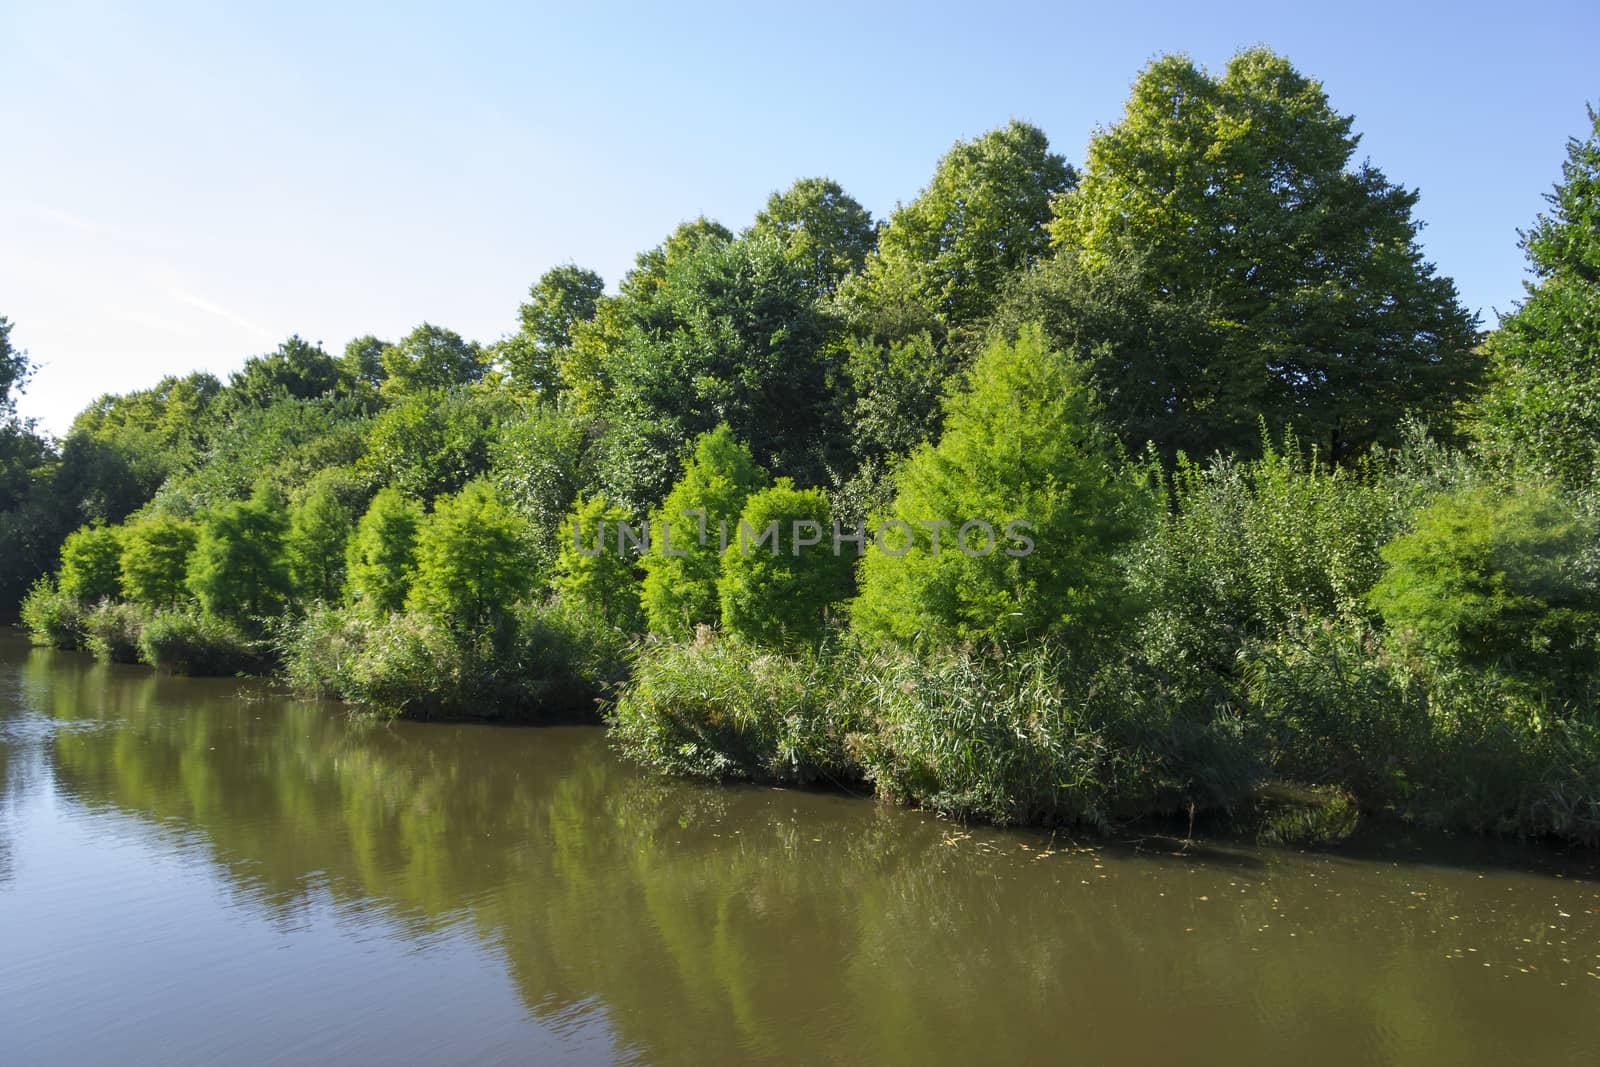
(1304, 542)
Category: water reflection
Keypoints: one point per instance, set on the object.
(697, 924)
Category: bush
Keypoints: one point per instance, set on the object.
(1329, 707)
(239, 569)
(1003, 739)
(1249, 547)
(557, 661)
(474, 562)
(52, 618)
(720, 708)
(112, 631)
(190, 643)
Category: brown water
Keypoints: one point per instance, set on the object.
(196, 871)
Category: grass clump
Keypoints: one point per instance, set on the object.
(112, 631)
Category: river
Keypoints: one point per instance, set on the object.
(200, 871)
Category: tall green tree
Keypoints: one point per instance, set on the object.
(155, 560)
(821, 229)
(735, 336)
(680, 592)
(1542, 410)
(382, 556)
(298, 369)
(557, 303)
(15, 369)
(240, 568)
(954, 248)
(430, 357)
(473, 561)
(1231, 203)
(1022, 444)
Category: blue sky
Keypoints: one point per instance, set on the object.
(184, 185)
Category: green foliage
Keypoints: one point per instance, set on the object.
(557, 663)
(362, 363)
(90, 566)
(598, 569)
(319, 537)
(1021, 444)
(896, 390)
(1249, 546)
(779, 593)
(1297, 284)
(52, 618)
(999, 739)
(540, 462)
(680, 592)
(980, 221)
(298, 370)
(732, 334)
(430, 357)
(200, 645)
(434, 442)
(1493, 580)
(473, 561)
(15, 369)
(382, 554)
(562, 298)
(821, 229)
(155, 560)
(1542, 411)
(240, 567)
(285, 444)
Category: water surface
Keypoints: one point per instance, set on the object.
(200, 871)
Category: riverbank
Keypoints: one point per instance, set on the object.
(1302, 750)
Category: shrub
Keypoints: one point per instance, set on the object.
(1249, 547)
(1494, 580)
(51, 617)
(382, 556)
(720, 708)
(680, 592)
(1001, 739)
(112, 631)
(1331, 708)
(557, 661)
(191, 643)
(155, 560)
(89, 564)
(1022, 444)
(780, 596)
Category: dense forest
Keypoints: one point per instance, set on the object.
(1305, 541)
